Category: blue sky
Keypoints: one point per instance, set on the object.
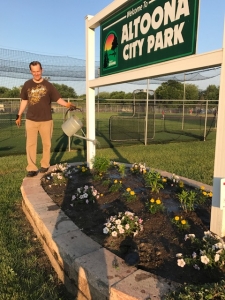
(56, 27)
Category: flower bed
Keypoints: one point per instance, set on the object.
(142, 217)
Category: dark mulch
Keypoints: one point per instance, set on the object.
(159, 242)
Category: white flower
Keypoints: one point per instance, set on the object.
(135, 233)
(118, 221)
(114, 233)
(85, 195)
(196, 267)
(189, 236)
(207, 234)
(105, 230)
(204, 259)
(73, 197)
(181, 263)
(119, 226)
(194, 255)
(127, 226)
(128, 213)
(217, 257)
(218, 246)
(179, 255)
(87, 201)
(121, 230)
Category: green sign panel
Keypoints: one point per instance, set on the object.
(148, 32)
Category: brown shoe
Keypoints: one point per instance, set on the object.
(43, 170)
(32, 173)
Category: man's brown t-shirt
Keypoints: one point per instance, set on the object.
(39, 97)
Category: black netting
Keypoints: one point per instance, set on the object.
(14, 64)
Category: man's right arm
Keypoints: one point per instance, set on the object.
(23, 105)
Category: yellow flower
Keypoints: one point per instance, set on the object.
(152, 200)
(181, 184)
(128, 189)
(132, 193)
(100, 174)
(115, 181)
(177, 218)
(202, 187)
(144, 171)
(210, 194)
(120, 181)
(204, 193)
(183, 222)
(164, 180)
(158, 201)
(101, 195)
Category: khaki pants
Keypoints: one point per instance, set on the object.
(45, 130)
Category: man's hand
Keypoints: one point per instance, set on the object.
(18, 120)
(71, 106)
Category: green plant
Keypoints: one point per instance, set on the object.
(129, 195)
(86, 194)
(116, 186)
(101, 164)
(203, 195)
(207, 253)
(153, 180)
(199, 292)
(180, 223)
(138, 168)
(57, 178)
(154, 206)
(125, 223)
(122, 169)
(187, 199)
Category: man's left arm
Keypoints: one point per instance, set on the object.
(69, 105)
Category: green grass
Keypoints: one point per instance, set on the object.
(23, 274)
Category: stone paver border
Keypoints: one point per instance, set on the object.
(83, 265)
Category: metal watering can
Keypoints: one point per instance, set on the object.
(72, 125)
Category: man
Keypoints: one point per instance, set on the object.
(37, 95)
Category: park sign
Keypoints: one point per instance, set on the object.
(148, 32)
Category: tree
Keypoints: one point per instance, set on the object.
(129, 96)
(13, 93)
(103, 95)
(191, 92)
(117, 95)
(171, 89)
(212, 92)
(106, 59)
(3, 92)
(65, 91)
(114, 45)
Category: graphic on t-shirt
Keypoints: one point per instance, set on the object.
(35, 94)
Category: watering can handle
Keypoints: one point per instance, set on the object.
(70, 110)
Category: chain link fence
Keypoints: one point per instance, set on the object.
(118, 122)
